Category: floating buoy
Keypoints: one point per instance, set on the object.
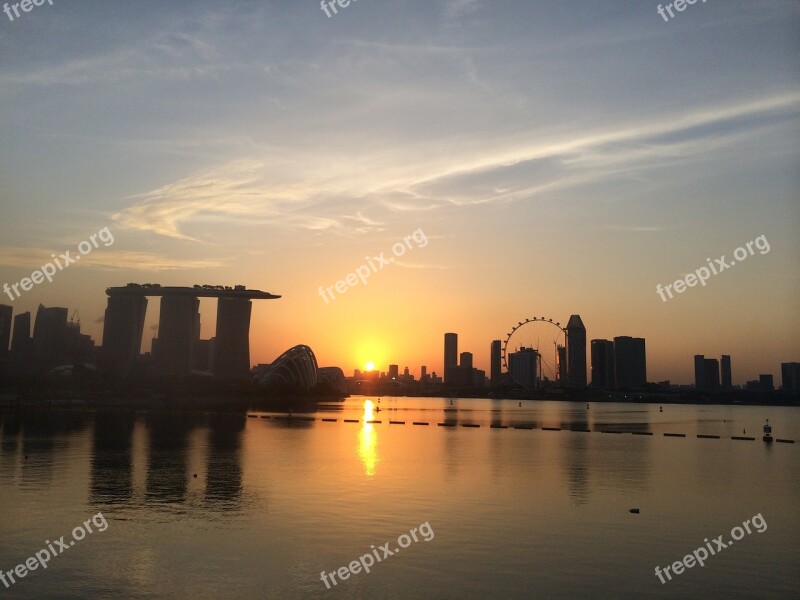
(634, 511)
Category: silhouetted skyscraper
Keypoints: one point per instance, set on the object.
(21, 342)
(561, 356)
(706, 373)
(466, 360)
(790, 376)
(232, 340)
(523, 367)
(49, 336)
(496, 360)
(122, 333)
(602, 364)
(725, 366)
(630, 362)
(699, 372)
(6, 313)
(576, 352)
(450, 353)
(177, 335)
(766, 382)
(394, 371)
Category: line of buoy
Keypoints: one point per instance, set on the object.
(518, 426)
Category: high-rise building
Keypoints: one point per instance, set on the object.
(21, 342)
(466, 360)
(523, 367)
(576, 352)
(766, 383)
(630, 362)
(50, 336)
(450, 354)
(699, 372)
(790, 377)
(122, 333)
(6, 313)
(232, 339)
(561, 357)
(602, 364)
(423, 373)
(725, 367)
(711, 371)
(178, 335)
(495, 359)
(394, 372)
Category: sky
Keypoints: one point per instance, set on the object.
(556, 158)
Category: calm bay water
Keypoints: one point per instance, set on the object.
(515, 513)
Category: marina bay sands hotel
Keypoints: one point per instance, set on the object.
(179, 328)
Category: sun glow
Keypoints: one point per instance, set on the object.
(370, 365)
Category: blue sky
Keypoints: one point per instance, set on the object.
(561, 157)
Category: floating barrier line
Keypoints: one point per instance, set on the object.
(513, 426)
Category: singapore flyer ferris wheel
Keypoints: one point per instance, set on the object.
(542, 336)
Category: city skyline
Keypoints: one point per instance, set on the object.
(559, 186)
(128, 305)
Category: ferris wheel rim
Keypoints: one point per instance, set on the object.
(521, 324)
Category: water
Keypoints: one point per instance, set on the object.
(511, 513)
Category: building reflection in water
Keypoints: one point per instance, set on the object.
(168, 457)
(368, 441)
(112, 457)
(224, 471)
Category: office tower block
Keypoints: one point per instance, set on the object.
(495, 355)
(178, 335)
(711, 371)
(122, 333)
(523, 367)
(49, 337)
(394, 371)
(630, 362)
(576, 352)
(725, 367)
(232, 339)
(466, 360)
(602, 364)
(6, 313)
(699, 372)
(561, 357)
(790, 377)
(766, 383)
(450, 354)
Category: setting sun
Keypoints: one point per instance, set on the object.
(370, 366)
